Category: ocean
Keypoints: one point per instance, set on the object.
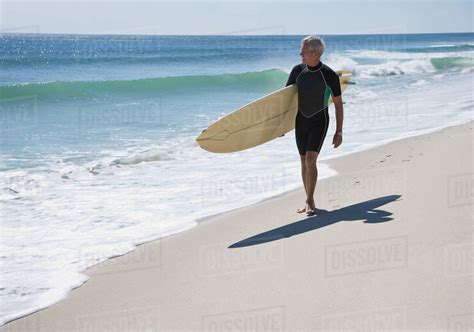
(98, 150)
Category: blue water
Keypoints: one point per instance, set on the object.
(97, 135)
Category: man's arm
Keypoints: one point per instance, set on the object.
(339, 113)
(337, 138)
(293, 75)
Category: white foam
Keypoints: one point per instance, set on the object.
(467, 70)
(391, 63)
(442, 45)
(386, 55)
(395, 68)
(341, 62)
(420, 83)
(363, 95)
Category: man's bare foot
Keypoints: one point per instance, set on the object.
(308, 208)
(311, 210)
(304, 209)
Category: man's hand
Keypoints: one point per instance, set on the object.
(337, 140)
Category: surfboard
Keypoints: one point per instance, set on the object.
(259, 121)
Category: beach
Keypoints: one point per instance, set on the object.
(391, 248)
(99, 160)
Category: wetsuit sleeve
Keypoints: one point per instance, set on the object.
(334, 84)
(293, 75)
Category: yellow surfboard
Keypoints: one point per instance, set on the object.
(259, 121)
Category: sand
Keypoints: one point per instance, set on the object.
(393, 251)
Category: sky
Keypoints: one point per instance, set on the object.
(223, 17)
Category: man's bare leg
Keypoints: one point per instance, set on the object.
(311, 179)
(303, 177)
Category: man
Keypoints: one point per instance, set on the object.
(315, 82)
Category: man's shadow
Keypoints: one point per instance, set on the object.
(366, 211)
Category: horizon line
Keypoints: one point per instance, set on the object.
(227, 35)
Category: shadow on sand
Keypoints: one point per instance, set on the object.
(365, 211)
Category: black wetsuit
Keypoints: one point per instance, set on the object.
(315, 85)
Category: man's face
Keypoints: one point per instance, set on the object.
(307, 56)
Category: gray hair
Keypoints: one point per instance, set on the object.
(315, 44)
